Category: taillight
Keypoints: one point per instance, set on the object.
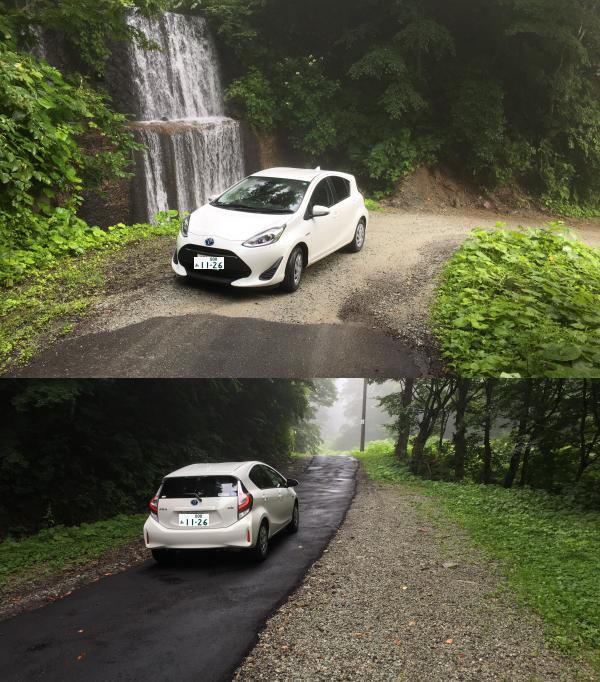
(153, 505)
(244, 502)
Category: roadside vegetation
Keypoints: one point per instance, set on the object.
(520, 303)
(47, 305)
(516, 463)
(547, 546)
(53, 550)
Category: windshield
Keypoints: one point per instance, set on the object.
(264, 195)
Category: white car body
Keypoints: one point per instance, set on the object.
(223, 232)
(222, 524)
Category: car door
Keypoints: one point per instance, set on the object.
(323, 228)
(345, 208)
(283, 498)
(267, 495)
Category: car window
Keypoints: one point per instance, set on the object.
(277, 481)
(321, 195)
(259, 477)
(341, 187)
(199, 486)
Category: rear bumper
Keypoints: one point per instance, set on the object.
(159, 537)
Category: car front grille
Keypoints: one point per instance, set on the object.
(235, 268)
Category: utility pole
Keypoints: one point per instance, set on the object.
(363, 421)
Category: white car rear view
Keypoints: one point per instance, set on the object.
(268, 228)
(232, 505)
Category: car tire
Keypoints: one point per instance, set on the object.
(359, 237)
(294, 524)
(162, 556)
(293, 271)
(260, 550)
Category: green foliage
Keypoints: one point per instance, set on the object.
(254, 93)
(55, 549)
(548, 549)
(44, 162)
(521, 303)
(295, 91)
(87, 26)
(62, 288)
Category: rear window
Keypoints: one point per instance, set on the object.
(199, 486)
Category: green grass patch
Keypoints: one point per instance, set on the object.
(520, 303)
(548, 550)
(373, 205)
(62, 290)
(54, 549)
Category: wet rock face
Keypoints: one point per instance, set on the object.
(175, 97)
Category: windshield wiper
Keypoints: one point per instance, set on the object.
(252, 209)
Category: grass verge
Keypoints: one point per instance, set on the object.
(520, 303)
(550, 552)
(46, 306)
(55, 549)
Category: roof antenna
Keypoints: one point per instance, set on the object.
(318, 168)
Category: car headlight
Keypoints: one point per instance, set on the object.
(185, 226)
(269, 236)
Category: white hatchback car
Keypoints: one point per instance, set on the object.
(232, 505)
(270, 226)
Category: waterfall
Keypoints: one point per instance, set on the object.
(191, 149)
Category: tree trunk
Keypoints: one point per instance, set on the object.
(521, 441)
(487, 427)
(404, 420)
(460, 443)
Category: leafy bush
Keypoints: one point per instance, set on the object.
(521, 303)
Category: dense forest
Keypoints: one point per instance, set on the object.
(543, 434)
(84, 450)
(503, 91)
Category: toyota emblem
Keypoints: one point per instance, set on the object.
(209, 242)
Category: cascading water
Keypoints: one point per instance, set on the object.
(192, 149)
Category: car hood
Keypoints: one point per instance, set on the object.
(237, 226)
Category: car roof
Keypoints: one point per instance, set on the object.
(213, 469)
(306, 174)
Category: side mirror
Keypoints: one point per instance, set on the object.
(318, 211)
(292, 482)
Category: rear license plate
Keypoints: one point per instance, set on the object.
(209, 263)
(193, 519)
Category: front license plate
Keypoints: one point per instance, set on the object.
(209, 263)
(193, 519)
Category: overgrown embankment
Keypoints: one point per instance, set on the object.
(548, 549)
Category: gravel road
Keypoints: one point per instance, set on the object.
(372, 304)
(400, 598)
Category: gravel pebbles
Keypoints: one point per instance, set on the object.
(400, 597)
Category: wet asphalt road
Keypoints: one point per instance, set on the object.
(214, 346)
(194, 620)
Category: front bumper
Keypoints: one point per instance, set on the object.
(244, 267)
(234, 536)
